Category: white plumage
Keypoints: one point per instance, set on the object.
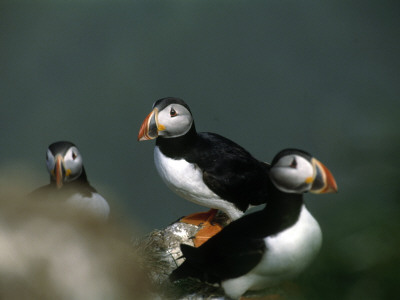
(95, 204)
(186, 180)
(289, 253)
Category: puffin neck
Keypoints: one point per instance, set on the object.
(282, 210)
(177, 147)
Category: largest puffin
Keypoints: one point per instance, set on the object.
(202, 167)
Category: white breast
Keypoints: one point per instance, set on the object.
(288, 253)
(186, 180)
(95, 204)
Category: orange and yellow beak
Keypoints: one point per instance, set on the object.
(59, 171)
(150, 127)
(323, 181)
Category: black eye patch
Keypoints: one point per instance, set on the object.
(293, 163)
(172, 112)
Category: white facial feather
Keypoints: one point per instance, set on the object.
(289, 174)
(176, 119)
(50, 161)
(73, 162)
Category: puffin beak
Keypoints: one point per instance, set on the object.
(150, 127)
(324, 182)
(59, 171)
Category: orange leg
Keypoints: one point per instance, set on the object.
(205, 220)
(208, 231)
(200, 218)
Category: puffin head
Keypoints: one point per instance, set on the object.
(170, 117)
(64, 162)
(296, 171)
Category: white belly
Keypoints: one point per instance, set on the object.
(186, 180)
(95, 205)
(288, 253)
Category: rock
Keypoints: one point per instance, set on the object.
(162, 253)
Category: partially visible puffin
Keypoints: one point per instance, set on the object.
(204, 168)
(263, 248)
(68, 181)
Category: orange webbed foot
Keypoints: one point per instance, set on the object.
(200, 218)
(205, 220)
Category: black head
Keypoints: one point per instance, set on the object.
(296, 171)
(164, 102)
(170, 118)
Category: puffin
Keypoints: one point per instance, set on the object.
(266, 247)
(68, 181)
(202, 167)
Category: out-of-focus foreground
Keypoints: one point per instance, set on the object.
(52, 251)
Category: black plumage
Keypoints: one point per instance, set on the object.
(263, 248)
(68, 181)
(240, 246)
(227, 169)
(79, 185)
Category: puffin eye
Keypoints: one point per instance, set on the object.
(74, 155)
(173, 112)
(293, 164)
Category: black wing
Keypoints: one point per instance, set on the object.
(230, 171)
(231, 253)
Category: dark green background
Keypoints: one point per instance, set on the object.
(322, 76)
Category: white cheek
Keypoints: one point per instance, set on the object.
(290, 179)
(50, 161)
(297, 176)
(75, 165)
(175, 126)
(181, 125)
(305, 170)
(287, 175)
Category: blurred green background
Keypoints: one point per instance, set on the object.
(320, 76)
